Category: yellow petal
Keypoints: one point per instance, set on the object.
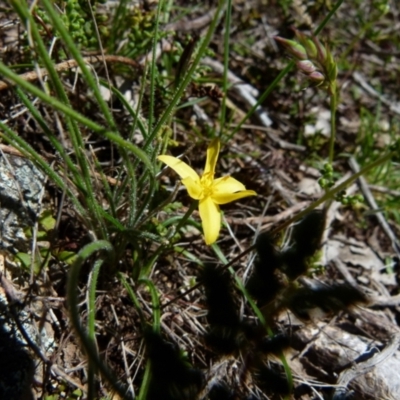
(211, 219)
(223, 198)
(180, 167)
(212, 157)
(227, 184)
(193, 187)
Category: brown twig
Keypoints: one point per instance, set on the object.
(69, 64)
(268, 220)
(374, 206)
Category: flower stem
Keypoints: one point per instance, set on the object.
(144, 273)
(189, 212)
(328, 17)
(333, 104)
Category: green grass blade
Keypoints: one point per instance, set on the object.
(73, 302)
(153, 66)
(185, 81)
(56, 104)
(228, 15)
(155, 302)
(76, 54)
(91, 323)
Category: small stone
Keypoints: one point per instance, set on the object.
(21, 187)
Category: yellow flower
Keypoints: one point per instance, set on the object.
(209, 191)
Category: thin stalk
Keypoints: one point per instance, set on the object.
(137, 118)
(262, 98)
(135, 114)
(146, 270)
(155, 304)
(153, 66)
(73, 302)
(360, 35)
(146, 197)
(156, 326)
(133, 188)
(134, 298)
(144, 387)
(185, 81)
(76, 139)
(328, 17)
(92, 299)
(333, 106)
(108, 194)
(228, 15)
(53, 140)
(88, 76)
(189, 212)
(68, 111)
(73, 129)
(91, 325)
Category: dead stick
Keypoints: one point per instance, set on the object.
(69, 64)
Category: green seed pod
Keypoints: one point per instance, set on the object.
(323, 183)
(328, 168)
(102, 18)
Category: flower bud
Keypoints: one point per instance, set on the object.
(308, 44)
(294, 48)
(316, 77)
(331, 67)
(321, 51)
(306, 66)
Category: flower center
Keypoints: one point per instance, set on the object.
(206, 182)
